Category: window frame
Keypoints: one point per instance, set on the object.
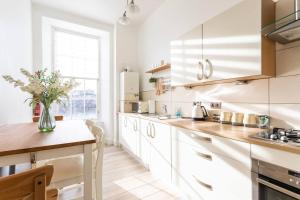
(58, 29)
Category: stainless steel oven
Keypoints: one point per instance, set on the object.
(271, 182)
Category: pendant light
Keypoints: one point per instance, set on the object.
(124, 20)
(133, 8)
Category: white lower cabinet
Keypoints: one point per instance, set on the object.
(201, 172)
(231, 179)
(129, 131)
(200, 165)
(145, 143)
(150, 142)
(160, 151)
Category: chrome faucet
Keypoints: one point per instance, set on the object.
(164, 109)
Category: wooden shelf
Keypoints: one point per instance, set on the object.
(159, 68)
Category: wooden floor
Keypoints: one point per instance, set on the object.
(125, 179)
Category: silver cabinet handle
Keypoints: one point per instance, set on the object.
(280, 189)
(203, 184)
(200, 72)
(153, 134)
(203, 155)
(149, 130)
(210, 66)
(135, 125)
(201, 138)
(125, 122)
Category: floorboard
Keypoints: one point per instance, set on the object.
(126, 179)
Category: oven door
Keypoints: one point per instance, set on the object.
(269, 189)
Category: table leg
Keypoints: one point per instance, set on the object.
(88, 171)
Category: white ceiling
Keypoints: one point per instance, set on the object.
(104, 10)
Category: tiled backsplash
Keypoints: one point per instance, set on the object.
(278, 97)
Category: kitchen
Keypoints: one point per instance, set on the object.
(228, 49)
(202, 97)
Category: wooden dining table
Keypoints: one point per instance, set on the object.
(23, 143)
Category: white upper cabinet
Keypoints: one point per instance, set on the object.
(232, 42)
(186, 58)
(226, 48)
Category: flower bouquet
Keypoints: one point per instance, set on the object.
(44, 89)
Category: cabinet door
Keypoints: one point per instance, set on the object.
(160, 155)
(128, 135)
(123, 126)
(186, 57)
(232, 179)
(144, 142)
(134, 129)
(232, 42)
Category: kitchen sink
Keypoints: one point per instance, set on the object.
(160, 117)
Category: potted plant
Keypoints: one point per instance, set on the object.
(45, 89)
(152, 81)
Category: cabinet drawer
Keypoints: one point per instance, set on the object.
(192, 161)
(231, 179)
(193, 187)
(208, 143)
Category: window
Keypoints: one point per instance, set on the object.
(77, 56)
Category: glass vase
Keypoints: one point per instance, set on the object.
(47, 121)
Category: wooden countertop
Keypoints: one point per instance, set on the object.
(25, 137)
(238, 133)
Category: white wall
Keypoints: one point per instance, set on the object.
(126, 52)
(172, 19)
(15, 52)
(125, 56)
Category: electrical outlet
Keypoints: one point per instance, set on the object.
(215, 105)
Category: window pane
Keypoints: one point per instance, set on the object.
(82, 103)
(91, 98)
(76, 55)
(77, 101)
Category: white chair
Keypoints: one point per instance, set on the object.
(90, 123)
(69, 171)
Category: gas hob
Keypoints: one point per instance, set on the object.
(280, 135)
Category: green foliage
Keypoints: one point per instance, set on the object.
(43, 88)
(152, 80)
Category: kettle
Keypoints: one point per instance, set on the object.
(199, 112)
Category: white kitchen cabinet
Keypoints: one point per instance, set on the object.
(186, 58)
(150, 142)
(231, 179)
(160, 151)
(144, 142)
(232, 44)
(209, 167)
(227, 47)
(190, 166)
(129, 132)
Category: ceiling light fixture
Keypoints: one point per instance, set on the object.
(130, 7)
(124, 20)
(133, 8)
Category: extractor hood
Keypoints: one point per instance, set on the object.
(286, 29)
